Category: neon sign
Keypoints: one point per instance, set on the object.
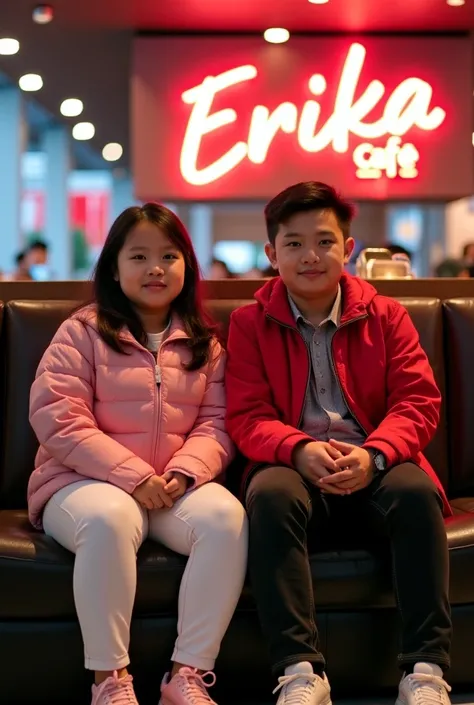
(409, 105)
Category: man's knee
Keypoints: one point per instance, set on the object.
(276, 491)
(411, 489)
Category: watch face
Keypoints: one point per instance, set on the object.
(379, 462)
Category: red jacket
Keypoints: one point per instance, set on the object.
(384, 374)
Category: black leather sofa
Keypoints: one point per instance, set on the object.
(40, 644)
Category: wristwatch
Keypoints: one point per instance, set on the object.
(380, 461)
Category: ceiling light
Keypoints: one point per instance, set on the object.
(318, 2)
(8, 46)
(456, 3)
(30, 82)
(43, 14)
(112, 151)
(83, 131)
(71, 107)
(276, 35)
(473, 139)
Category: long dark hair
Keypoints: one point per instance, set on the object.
(115, 310)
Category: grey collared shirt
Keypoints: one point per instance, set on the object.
(325, 412)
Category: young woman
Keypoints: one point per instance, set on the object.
(128, 406)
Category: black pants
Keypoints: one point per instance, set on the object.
(286, 513)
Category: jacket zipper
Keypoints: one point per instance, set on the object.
(333, 365)
(285, 325)
(158, 394)
(157, 390)
(157, 407)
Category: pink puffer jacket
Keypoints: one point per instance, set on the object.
(99, 414)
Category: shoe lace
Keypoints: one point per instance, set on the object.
(119, 691)
(427, 689)
(297, 688)
(194, 687)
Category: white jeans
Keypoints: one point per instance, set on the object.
(104, 526)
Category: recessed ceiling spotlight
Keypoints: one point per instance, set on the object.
(71, 107)
(112, 152)
(83, 131)
(276, 35)
(456, 3)
(43, 14)
(318, 2)
(9, 46)
(30, 82)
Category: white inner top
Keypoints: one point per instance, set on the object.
(154, 342)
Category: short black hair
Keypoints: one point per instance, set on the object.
(450, 268)
(38, 245)
(307, 196)
(399, 250)
(20, 257)
(466, 248)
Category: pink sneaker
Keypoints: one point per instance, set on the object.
(114, 691)
(187, 687)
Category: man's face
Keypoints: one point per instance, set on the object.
(310, 253)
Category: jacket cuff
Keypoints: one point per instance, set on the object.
(388, 451)
(286, 448)
(198, 476)
(129, 483)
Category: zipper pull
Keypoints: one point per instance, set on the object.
(157, 374)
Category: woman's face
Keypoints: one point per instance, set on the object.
(150, 269)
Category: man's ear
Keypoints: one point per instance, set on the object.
(349, 245)
(271, 254)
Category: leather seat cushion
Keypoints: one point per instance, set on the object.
(36, 574)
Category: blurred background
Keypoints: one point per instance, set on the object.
(106, 103)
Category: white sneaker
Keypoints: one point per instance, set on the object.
(301, 686)
(425, 686)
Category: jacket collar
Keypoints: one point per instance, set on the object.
(334, 314)
(177, 331)
(356, 295)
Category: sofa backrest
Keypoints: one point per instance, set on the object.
(427, 316)
(28, 327)
(459, 356)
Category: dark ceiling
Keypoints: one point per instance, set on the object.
(85, 51)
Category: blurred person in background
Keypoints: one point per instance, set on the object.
(399, 252)
(254, 273)
(219, 270)
(468, 254)
(454, 268)
(22, 272)
(36, 260)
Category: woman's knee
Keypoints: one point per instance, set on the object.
(220, 514)
(120, 521)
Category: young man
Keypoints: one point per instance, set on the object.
(332, 399)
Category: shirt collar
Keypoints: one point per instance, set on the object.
(333, 317)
